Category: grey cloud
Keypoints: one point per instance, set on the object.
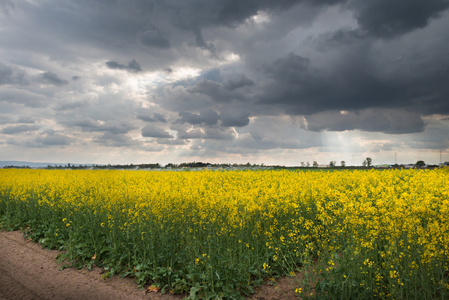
(195, 133)
(228, 12)
(155, 132)
(19, 129)
(342, 37)
(382, 18)
(155, 118)
(433, 137)
(10, 76)
(71, 105)
(238, 118)
(54, 79)
(133, 66)
(207, 117)
(26, 120)
(275, 133)
(51, 138)
(233, 84)
(213, 89)
(387, 121)
(371, 63)
(219, 92)
(185, 131)
(290, 68)
(152, 146)
(153, 38)
(89, 125)
(200, 42)
(219, 133)
(206, 132)
(170, 142)
(23, 97)
(5, 119)
(6, 6)
(109, 139)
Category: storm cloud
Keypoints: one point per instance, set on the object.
(133, 66)
(245, 80)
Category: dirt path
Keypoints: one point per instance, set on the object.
(29, 272)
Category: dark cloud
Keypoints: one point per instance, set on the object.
(234, 117)
(213, 89)
(200, 13)
(133, 66)
(155, 132)
(153, 38)
(342, 37)
(200, 42)
(289, 68)
(156, 117)
(219, 92)
(387, 121)
(356, 82)
(54, 79)
(19, 129)
(242, 81)
(223, 76)
(206, 117)
(386, 19)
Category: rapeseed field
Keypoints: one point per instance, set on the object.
(218, 234)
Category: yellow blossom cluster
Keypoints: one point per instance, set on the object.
(393, 223)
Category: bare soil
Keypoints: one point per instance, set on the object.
(27, 271)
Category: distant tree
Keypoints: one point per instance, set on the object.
(420, 164)
(343, 163)
(303, 164)
(332, 164)
(307, 164)
(315, 164)
(364, 163)
(368, 161)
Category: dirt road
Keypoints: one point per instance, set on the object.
(29, 272)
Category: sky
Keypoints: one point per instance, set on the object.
(224, 81)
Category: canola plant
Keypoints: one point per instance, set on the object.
(353, 234)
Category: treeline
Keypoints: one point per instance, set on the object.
(195, 164)
(107, 167)
(198, 164)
